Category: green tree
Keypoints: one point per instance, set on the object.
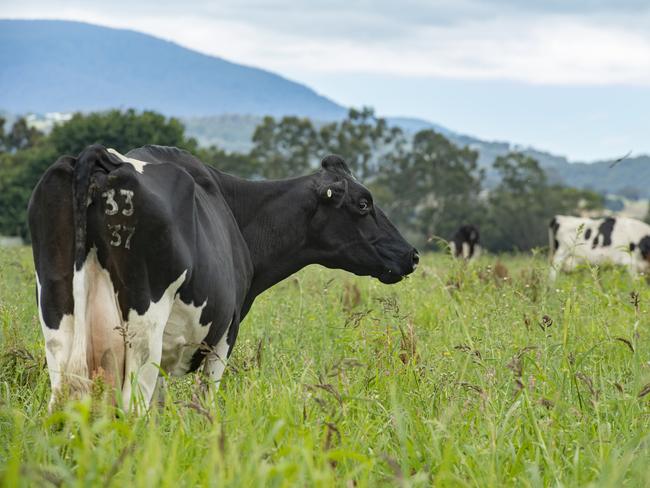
(521, 206)
(121, 130)
(362, 139)
(293, 146)
(19, 173)
(243, 165)
(20, 136)
(21, 170)
(434, 186)
(285, 148)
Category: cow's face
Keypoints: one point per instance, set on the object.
(348, 231)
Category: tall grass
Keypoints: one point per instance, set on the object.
(479, 376)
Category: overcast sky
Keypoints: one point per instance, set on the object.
(569, 76)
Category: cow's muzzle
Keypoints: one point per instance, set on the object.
(409, 264)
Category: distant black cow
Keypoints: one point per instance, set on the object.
(151, 260)
(465, 242)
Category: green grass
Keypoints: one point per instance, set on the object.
(451, 378)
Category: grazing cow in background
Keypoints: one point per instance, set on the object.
(152, 259)
(465, 242)
(575, 240)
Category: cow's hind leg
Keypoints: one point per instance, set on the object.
(216, 359)
(144, 341)
(58, 342)
(560, 262)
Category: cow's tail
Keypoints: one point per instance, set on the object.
(77, 369)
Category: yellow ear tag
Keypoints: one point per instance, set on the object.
(329, 193)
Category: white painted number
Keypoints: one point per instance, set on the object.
(111, 204)
(117, 231)
(120, 234)
(129, 233)
(128, 200)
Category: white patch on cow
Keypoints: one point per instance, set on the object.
(136, 163)
(57, 346)
(573, 249)
(144, 346)
(466, 250)
(96, 345)
(215, 360)
(95, 340)
(103, 324)
(76, 373)
(182, 337)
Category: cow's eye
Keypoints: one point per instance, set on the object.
(364, 206)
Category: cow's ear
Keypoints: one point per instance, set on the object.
(335, 164)
(333, 193)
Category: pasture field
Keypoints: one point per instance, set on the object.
(454, 377)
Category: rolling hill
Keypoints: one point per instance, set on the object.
(62, 66)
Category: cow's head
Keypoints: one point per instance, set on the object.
(348, 231)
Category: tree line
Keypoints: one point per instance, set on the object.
(426, 184)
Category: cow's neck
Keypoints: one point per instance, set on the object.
(273, 217)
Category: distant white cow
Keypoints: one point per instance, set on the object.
(622, 241)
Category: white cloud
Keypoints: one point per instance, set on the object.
(552, 50)
(551, 43)
(573, 76)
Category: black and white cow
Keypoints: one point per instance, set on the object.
(575, 240)
(465, 243)
(154, 258)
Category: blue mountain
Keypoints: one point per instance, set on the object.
(63, 66)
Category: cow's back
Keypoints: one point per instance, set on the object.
(617, 240)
